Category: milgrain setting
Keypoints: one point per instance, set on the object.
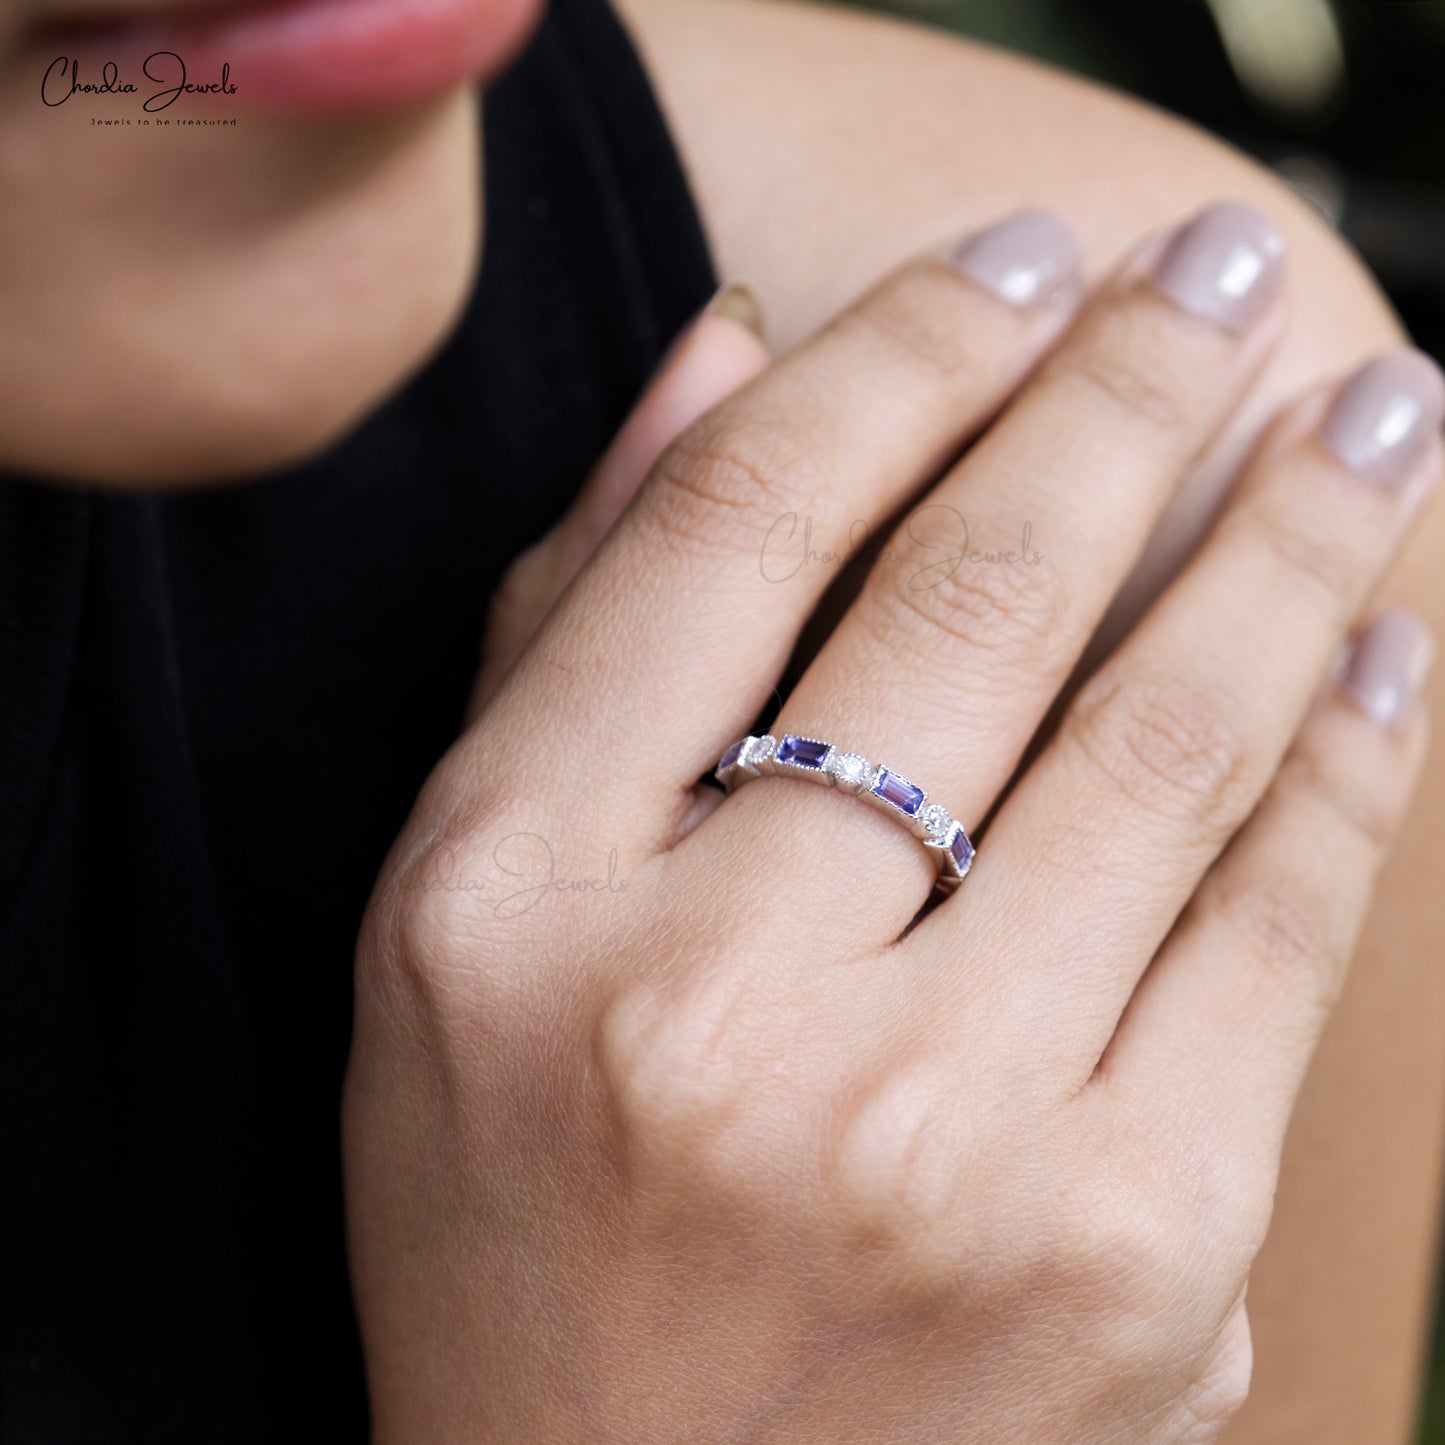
(795, 756)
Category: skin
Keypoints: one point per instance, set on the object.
(940, 138)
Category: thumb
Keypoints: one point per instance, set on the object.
(719, 351)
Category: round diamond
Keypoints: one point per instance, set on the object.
(849, 768)
(936, 821)
(758, 750)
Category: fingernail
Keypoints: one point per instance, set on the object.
(734, 302)
(1388, 665)
(737, 303)
(1027, 259)
(1382, 417)
(1225, 265)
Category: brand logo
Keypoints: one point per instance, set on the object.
(164, 69)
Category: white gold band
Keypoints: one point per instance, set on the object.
(795, 756)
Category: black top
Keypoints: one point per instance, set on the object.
(215, 710)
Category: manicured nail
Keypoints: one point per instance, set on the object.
(1225, 265)
(1027, 259)
(737, 303)
(1388, 665)
(1383, 416)
(734, 302)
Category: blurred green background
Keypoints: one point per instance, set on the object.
(1344, 98)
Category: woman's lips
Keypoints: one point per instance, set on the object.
(327, 56)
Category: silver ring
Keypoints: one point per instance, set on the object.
(795, 756)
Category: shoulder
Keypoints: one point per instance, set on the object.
(824, 144)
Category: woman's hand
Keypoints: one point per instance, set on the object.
(662, 1122)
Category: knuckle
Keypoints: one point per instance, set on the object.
(1114, 1257)
(411, 948)
(1016, 614)
(682, 1072)
(1134, 1263)
(730, 479)
(1218, 1204)
(913, 318)
(1307, 551)
(1131, 382)
(1150, 1228)
(1220, 1390)
(893, 1165)
(450, 930)
(917, 1192)
(1288, 925)
(1333, 785)
(1115, 1245)
(1166, 747)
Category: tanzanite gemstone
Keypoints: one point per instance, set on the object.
(731, 756)
(961, 850)
(802, 752)
(905, 796)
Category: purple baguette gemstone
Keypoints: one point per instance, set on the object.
(731, 756)
(905, 796)
(802, 752)
(961, 850)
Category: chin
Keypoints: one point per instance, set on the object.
(170, 321)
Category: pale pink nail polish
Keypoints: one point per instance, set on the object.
(1027, 259)
(1388, 665)
(1381, 419)
(1225, 265)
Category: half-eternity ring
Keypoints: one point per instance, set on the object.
(890, 792)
